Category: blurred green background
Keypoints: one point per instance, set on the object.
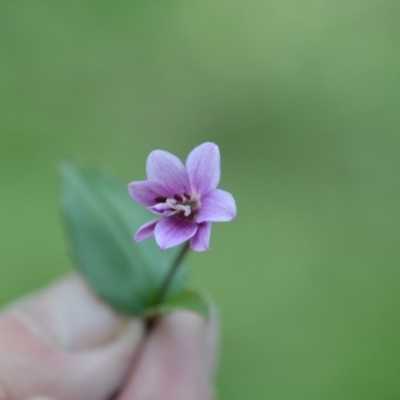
(303, 99)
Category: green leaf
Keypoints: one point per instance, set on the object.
(189, 299)
(101, 220)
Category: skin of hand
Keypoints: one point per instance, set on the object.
(64, 344)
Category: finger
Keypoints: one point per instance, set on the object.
(177, 362)
(64, 343)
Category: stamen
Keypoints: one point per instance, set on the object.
(186, 210)
(176, 206)
(171, 203)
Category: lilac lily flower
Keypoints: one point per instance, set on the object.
(185, 197)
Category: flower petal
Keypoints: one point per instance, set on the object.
(160, 208)
(146, 192)
(172, 232)
(146, 231)
(201, 240)
(217, 206)
(168, 171)
(203, 167)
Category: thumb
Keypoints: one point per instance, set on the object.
(64, 343)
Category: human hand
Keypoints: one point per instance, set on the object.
(64, 344)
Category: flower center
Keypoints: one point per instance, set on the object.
(185, 206)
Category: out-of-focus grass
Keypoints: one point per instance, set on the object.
(302, 97)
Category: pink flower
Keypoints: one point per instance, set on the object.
(185, 197)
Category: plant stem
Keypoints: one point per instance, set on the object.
(171, 272)
(152, 321)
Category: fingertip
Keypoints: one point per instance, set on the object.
(69, 316)
(194, 336)
(178, 360)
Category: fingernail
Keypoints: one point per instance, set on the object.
(70, 317)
